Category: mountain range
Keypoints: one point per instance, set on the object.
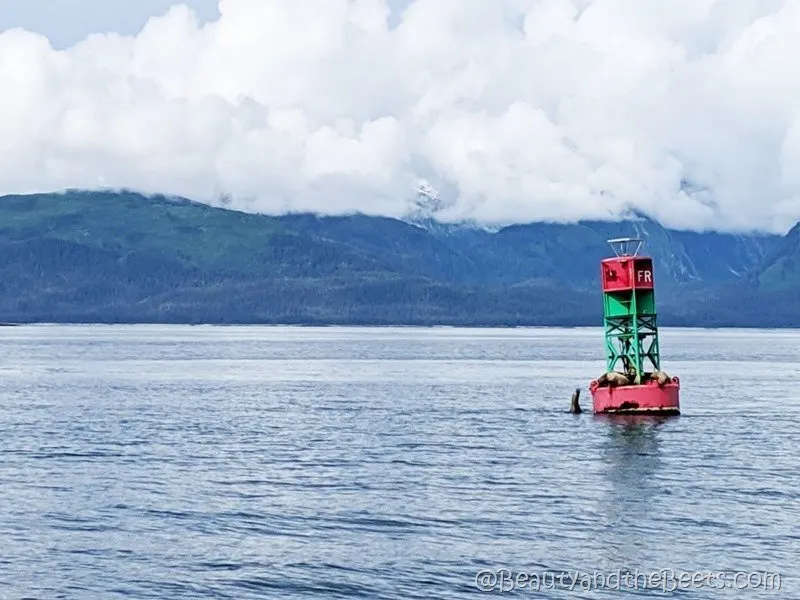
(111, 257)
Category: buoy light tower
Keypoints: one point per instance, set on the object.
(633, 382)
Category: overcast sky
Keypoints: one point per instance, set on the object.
(515, 110)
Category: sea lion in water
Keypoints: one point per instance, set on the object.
(575, 407)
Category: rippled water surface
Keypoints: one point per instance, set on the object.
(270, 462)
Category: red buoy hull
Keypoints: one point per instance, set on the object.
(648, 398)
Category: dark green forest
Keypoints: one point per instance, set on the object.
(124, 258)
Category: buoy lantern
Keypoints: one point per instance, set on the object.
(634, 382)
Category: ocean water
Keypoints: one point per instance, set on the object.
(284, 462)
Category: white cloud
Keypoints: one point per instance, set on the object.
(514, 110)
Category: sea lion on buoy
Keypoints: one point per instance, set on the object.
(614, 379)
(661, 377)
(575, 407)
(633, 375)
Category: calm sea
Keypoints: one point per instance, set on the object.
(281, 462)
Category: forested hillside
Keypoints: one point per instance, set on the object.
(122, 257)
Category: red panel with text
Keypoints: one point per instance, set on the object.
(626, 273)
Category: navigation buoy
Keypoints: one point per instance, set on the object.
(634, 382)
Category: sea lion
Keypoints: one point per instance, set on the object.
(614, 379)
(633, 375)
(660, 377)
(575, 407)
